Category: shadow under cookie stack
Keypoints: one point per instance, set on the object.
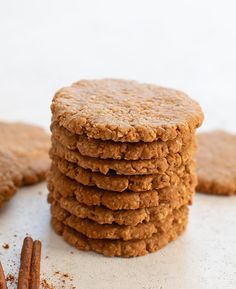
(122, 174)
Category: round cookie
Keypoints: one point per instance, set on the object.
(120, 248)
(103, 215)
(93, 196)
(29, 145)
(127, 200)
(94, 230)
(123, 167)
(216, 163)
(125, 111)
(10, 176)
(118, 150)
(23, 157)
(106, 216)
(121, 183)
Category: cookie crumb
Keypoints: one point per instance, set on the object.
(6, 246)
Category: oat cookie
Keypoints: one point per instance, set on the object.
(94, 230)
(103, 215)
(120, 248)
(119, 150)
(123, 167)
(10, 176)
(127, 200)
(121, 183)
(23, 156)
(106, 216)
(90, 196)
(29, 144)
(125, 111)
(216, 163)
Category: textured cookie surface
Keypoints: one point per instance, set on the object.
(120, 248)
(23, 156)
(125, 111)
(216, 163)
(127, 200)
(102, 215)
(118, 150)
(94, 230)
(124, 167)
(124, 217)
(10, 176)
(121, 183)
(29, 144)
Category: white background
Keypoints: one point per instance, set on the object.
(188, 45)
(47, 44)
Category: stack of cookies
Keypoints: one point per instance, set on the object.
(122, 174)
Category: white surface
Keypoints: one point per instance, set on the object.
(189, 45)
(203, 257)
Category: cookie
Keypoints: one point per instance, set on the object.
(123, 167)
(23, 156)
(120, 248)
(127, 200)
(216, 163)
(103, 215)
(10, 176)
(90, 196)
(29, 145)
(121, 183)
(125, 111)
(118, 150)
(94, 230)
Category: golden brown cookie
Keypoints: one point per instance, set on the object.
(120, 183)
(90, 196)
(104, 215)
(123, 167)
(125, 111)
(29, 145)
(216, 163)
(23, 156)
(94, 230)
(10, 176)
(127, 200)
(121, 248)
(118, 150)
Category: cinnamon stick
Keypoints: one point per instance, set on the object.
(26, 256)
(35, 265)
(3, 282)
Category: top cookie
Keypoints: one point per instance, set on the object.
(125, 111)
